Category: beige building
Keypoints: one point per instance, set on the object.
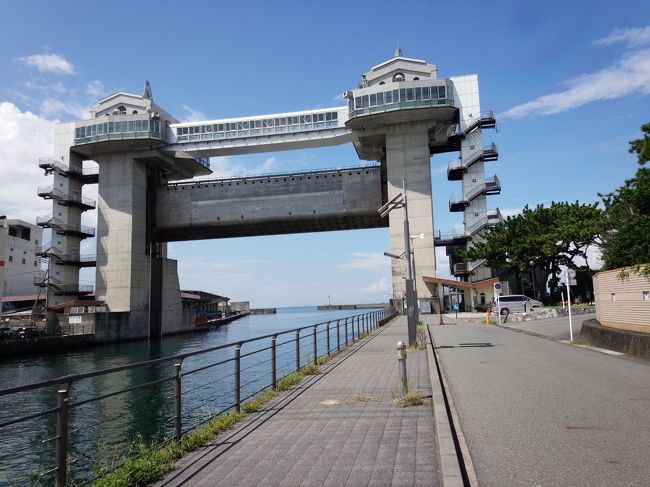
(20, 243)
(623, 303)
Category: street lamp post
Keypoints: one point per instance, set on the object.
(400, 201)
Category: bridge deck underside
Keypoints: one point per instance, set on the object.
(297, 203)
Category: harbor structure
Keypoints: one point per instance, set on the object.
(399, 115)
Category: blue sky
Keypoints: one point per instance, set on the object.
(570, 82)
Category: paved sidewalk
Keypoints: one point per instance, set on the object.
(337, 428)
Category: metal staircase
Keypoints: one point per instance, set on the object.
(456, 168)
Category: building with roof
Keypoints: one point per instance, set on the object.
(20, 262)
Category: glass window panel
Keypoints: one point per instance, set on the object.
(129, 126)
(402, 95)
(418, 93)
(380, 98)
(220, 127)
(389, 97)
(335, 116)
(373, 100)
(425, 93)
(442, 92)
(364, 101)
(409, 94)
(357, 102)
(328, 116)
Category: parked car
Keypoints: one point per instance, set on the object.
(5, 332)
(27, 332)
(517, 303)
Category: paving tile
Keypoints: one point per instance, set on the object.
(296, 440)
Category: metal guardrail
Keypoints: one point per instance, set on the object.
(240, 363)
(258, 177)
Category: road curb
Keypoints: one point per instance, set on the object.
(456, 468)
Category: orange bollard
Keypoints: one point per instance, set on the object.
(487, 318)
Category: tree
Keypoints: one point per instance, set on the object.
(540, 240)
(627, 216)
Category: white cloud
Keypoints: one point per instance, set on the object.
(24, 137)
(439, 170)
(227, 168)
(95, 89)
(381, 286)
(49, 63)
(630, 74)
(511, 211)
(442, 264)
(634, 37)
(51, 107)
(192, 115)
(363, 260)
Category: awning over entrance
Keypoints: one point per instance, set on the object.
(461, 284)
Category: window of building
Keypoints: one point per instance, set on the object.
(646, 295)
(398, 77)
(11, 258)
(23, 261)
(613, 296)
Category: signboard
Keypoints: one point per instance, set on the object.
(74, 319)
(498, 288)
(454, 306)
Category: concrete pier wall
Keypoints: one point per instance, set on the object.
(309, 202)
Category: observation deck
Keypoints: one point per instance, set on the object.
(368, 105)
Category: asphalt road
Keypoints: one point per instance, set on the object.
(554, 327)
(537, 412)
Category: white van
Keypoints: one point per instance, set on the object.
(518, 303)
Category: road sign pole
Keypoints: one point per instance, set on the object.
(497, 293)
(568, 301)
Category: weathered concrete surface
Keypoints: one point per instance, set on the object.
(637, 344)
(293, 203)
(538, 412)
(360, 439)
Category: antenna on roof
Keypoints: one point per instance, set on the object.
(398, 51)
(147, 91)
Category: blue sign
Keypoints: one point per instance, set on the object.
(454, 306)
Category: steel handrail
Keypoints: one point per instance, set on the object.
(364, 323)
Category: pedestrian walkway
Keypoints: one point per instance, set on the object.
(338, 428)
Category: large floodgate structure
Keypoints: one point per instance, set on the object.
(399, 115)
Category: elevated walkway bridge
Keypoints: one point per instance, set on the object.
(262, 133)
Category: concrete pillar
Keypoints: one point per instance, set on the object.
(128, 278)
(407, 156)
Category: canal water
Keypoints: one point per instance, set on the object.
(103, 432)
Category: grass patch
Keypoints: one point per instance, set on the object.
(152, 463)
(579, 341)
(411, 398)
(420, 338)
(363, 397)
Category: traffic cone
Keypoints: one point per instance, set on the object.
(441, 322)
(487, 318)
